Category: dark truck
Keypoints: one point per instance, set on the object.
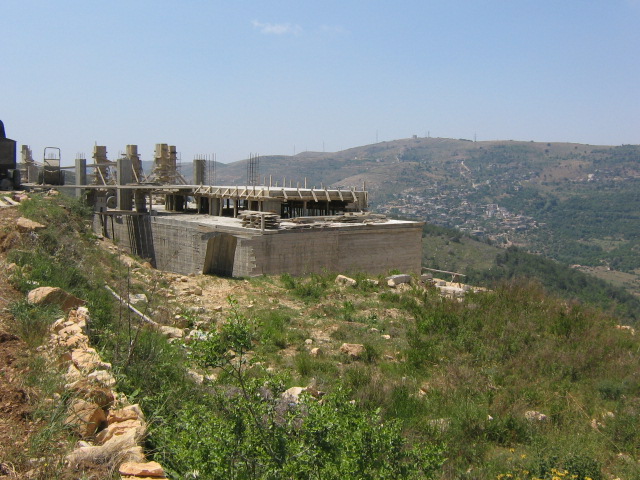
(9, 173)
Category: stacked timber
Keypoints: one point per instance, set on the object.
(253, 219)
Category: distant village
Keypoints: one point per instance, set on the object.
(449, 208)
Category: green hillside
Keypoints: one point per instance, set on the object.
(507, 383)
(489, 265)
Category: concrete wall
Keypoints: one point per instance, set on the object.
(375, 248)
(189, 247)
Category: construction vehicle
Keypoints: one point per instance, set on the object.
(9, 173)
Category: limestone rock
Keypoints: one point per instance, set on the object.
(292, 394)
(120, 428)
(102, 377)
(346, 281)
(86, 359)
(76, 341)
(395, 280)
(85, 417)
(26, 225)
(147, 469)
(59, 324)
(353, 350)
(533, 415)
(130, 412)
(627, 328)
(73, 374)
(137, 298)
(195, 376)
(71, 330)
(171, 332)
(53, 296)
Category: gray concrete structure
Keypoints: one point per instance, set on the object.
(191, 243)
(241, 230)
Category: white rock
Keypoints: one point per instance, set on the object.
(345, 281)
(171, 332)
(395, 280)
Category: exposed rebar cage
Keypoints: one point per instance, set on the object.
(253, 169)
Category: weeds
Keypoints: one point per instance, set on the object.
(32, 321)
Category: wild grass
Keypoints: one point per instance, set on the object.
(32, 321)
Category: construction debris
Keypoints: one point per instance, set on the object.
(261, 220)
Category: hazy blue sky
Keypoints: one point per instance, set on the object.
(235, 77)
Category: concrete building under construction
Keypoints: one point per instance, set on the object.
(236, 230)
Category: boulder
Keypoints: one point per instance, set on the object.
(146, 469)
(395, 280)
(315, 352)
(130, 412)
(120, 428)
(352, 350)
(346, 281)
(85, 417)
(171, 332)
(26, 225)
(292, 395)
(53, 296)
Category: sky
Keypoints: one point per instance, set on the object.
(232, 78)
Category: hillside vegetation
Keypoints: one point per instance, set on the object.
(488, 265)
(509, 382)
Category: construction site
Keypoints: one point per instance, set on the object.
(259, 228)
